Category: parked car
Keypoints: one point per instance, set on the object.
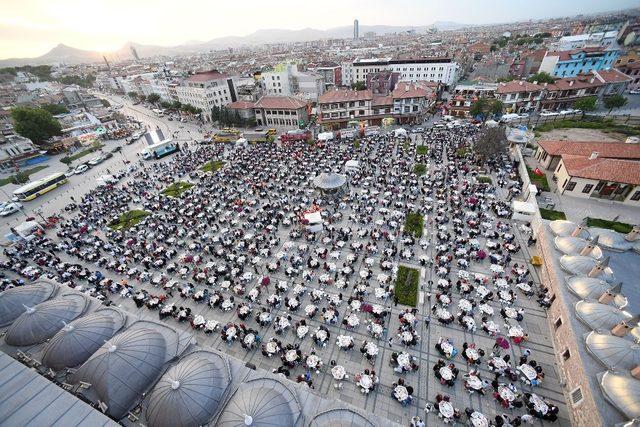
(7, 209)
(81, 169)
(570, 111)
(548, 114)
(634, 91)
(116, 149)
(70, 173)
(96, 161)
(106, 156)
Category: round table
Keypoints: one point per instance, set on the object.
(338, 372)
(446, 409)
(446, 373)
(401, 393)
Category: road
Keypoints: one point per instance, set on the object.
(55, 201)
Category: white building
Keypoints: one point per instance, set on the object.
(347, 73)
(206, 90)
(579, 41)
(441, 70)
(287, 80)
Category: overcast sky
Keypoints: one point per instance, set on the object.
(32, 27)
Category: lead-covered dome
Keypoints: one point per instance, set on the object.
(262, 402)
(600, 317)
(613, 352)
(562, 227)
(622, 391)
(569, 245)
(122, 369)
(582, 265)
(592, 288)
(612, 240)
(38, 324)
(78, 340)
(14, 301)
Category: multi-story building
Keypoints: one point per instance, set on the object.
(441, 70)
(330, 72)
(382, 83)
(632, 69)
(411, 101)
(14, 150)
(579, 41)
(339, 106)
(520, 96)
(466, 94)
(287, 80)
(570, 63)
(206, 90)
(281, 111)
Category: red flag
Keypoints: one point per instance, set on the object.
(538, 172)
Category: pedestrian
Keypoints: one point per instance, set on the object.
(395, 300)
(390, 341)
(526, 352)
(427, 320)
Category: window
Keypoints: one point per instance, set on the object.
(636, 196)
(587, 188)
(600, 185)
(566, 355)
(570, 186)
(558, 322)
(576, 396)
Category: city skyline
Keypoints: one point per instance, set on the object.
(34, 27)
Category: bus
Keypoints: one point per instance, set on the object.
(159, 150)
(39, 187)
(226, 135)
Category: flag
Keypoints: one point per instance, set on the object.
(538, 172)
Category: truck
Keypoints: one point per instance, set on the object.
(295, 135)
(159, 150)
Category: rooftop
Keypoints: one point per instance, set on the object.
(608, 149)
(207, 76)
(613, 170)
(343, 95)
(280, 102)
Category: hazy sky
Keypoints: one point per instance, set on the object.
(32, 27)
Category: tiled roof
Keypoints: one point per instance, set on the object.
(614, 150)
(565, 55)
(613, 170)
(345, 95)
(409, 90)
(241, 105)
(207, 76)
(515, 86)
(381, 100)
(579, 82)
(280, 102)
(612, 76)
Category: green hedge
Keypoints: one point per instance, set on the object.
(461, 152)
(484, 179)
(422, 150)
(128, 219)
(552, 215)
(213, 165)
(539, 181)
(620, 227)
(176, 189)
(68, 159)
(419, 169)
(406, 288)
(413, 224)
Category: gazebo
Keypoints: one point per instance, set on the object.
(330, 184)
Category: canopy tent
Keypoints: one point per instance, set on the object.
(562, 227)
(124, 368)
(314, 221)
(569, 245)
(325, 136)
(38, 324)
(352, 166)
(400, 132)
(78, 340)
(622, 391)
(613, 352)
(14, 301)
(190, 392)
(600, 317)
(261, 402)
(106, 180)
(340, 417)
(329, 181)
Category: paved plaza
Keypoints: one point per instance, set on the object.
(376, 157)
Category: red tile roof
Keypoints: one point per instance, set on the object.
(612, 150)
(207, 76)
(612, 76)
(241, 105)
(613, 170)
(280, 102)
(579, 82)
(381, 100)
(565, 55)
(345, 95)
(409, 90)
(515, 86)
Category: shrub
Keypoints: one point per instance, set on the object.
(422, 150)
(539, 181)
(552, 215)
(176, 189)
(212, 166)
(419, 169)
(484, 179)
(406, 287)
(69, 159)
(413, 224)
(620, 227)
(128, 219)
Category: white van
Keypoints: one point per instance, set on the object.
(509, 117)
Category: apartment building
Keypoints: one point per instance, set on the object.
(466, 94)
(281, 111)
(287, 80)
(206, 90)
(441, 70)
(570, 63)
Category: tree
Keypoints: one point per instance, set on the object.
(55, 108)
(491, 143)
(587, 103)
(166, 105)
(153, 98)
(496, 107)
(614, 101)
(36, 124)
(541, 77)
(105, 103)
(479, 108)
(505, 79)
(493, 48)
(176, 105)
(132, 94)
(215, 113)
(359, 85)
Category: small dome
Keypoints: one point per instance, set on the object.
(562, 227)
(190, 392)
(38, 324)
(122, 369)
(579, 265)
(622, 391)
(592, 288)
(261, 402)
(600, 317)
(329, 181)
(573, 246)
(340, 417)
(77, 341)
(14, 301)
(613, 352)
(611, 240)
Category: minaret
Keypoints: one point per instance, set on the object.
(591, 244)
(599, 267)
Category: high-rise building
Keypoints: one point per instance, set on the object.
(356, 30)
(134, 52)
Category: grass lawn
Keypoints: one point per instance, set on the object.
(22, 176)
(213, 165)
(421, 150)
(461, 152)
(68, 159)
(552, 215)
(176, 189)
(128, 219)
(406, 288)
(620, 227)
(413, 224)
(419, 169)
(484, 179)
(539, 181)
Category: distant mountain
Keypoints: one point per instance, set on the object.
(70, 55)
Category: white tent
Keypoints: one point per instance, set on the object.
(352, 166)
(106, 179)
(400, 132)
(314, 220)
(325, 136)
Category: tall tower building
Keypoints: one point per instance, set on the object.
(356, 30)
